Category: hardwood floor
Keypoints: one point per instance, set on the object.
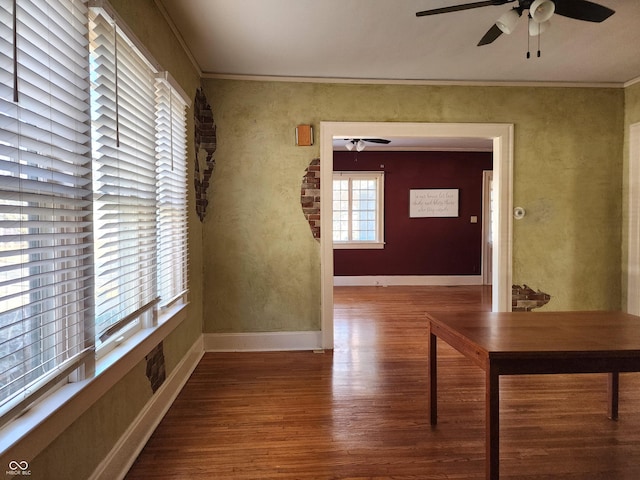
(360, 412)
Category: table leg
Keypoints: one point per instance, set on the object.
(492, 440)
(613, 394)
(433, 379)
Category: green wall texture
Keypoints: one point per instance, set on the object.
(262, 269)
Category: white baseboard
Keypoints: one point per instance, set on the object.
(262, 341)
(406, 280)
(118, 462)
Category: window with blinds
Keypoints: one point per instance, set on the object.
(124, 151)
(46, 264)
(171, 169)
(93, 210)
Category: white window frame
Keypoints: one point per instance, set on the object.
(378, 177)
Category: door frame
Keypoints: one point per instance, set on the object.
(502, 136)
(487, 247)
(633, 217)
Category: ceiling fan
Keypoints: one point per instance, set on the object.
(360, 143)
(540, 11)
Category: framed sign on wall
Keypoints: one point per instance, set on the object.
(433, 202)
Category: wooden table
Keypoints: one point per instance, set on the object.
(509, 343)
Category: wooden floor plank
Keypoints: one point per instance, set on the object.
(360, 412)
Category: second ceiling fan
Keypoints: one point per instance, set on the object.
(540, 11)
(359, 143)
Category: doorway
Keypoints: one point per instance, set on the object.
(502, 136)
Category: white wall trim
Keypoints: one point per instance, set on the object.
(178, 36)
(262, 341)
(124, 453)
(633, 212)
(406, 280)
(400, 81)
(633, 81)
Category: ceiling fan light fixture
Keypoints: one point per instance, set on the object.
(542, 10)
(536, 28)
(349, 145)
(508, 20)
(360, 145)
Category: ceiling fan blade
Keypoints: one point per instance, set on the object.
(466, 6)
(489, 37)
(583, 10)
(377, 140)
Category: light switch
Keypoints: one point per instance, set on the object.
(474, 219)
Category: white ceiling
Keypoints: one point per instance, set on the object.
(384, 40)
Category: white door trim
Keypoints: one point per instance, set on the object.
(502, 135)
(633, 260)
(487, 244)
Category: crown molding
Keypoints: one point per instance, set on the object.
(632, 82)
(388, 81)
(178, 36)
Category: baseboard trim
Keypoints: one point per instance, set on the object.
(262, 341)
(406, 280)
(124, 453)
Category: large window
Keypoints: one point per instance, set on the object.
(46, 286)
(92, 193)
(124, 175)
(358, 217)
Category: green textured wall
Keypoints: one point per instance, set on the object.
(262, 268)
(79, 449)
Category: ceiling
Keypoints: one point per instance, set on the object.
(384, 40)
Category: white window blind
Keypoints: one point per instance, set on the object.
(46, 283)
(124, 144)
(172, 193)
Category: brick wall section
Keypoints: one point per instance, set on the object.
(205, 145)
(525, 299)
(310, 197)
(156, 367)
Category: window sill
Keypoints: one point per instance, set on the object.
(25, 437)
(358, 245)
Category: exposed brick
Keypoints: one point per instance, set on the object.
(310, 196)
(525, 299)
(205, 139)
(156, 372)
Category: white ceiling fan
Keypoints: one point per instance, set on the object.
(540, 11)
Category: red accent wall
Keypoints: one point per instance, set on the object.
(420, 246)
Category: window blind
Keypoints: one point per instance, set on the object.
(46, 264)
(124, 145)
(171, 154)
